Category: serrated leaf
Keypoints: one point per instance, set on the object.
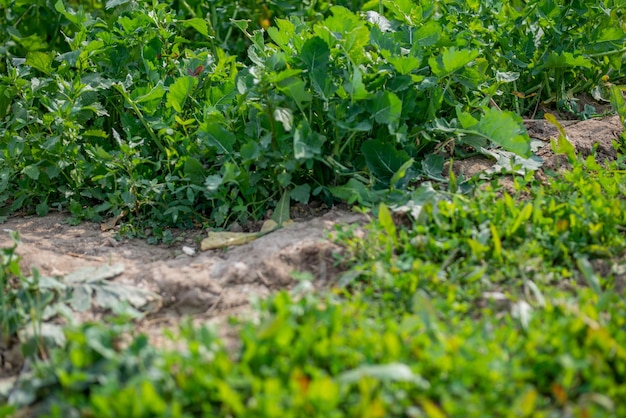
(428, 34)
(179, 91)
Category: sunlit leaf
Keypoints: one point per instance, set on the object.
(393, 372)
(179, 91)
(451, 60)
(198, 24)
(42, 61)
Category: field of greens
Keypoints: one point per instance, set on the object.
(460, 298)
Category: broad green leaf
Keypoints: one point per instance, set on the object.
(315, 54)
(451, 60)
(155, 93)
(282, 210)
(294, 87)
(250, 150)
(342, 20)
(386, 107)
(405, 11)
(217, 136)
(386, 221)
(566, 60)
(418, 199)
(198, 24)
(307, 143)
(466, 119)
(383, 159)
(282, 33)
(31, 171)
(41, 61)
(428, 34)
(194, 170)
(404, 64)
(355, 87)
(301, 193)
(179, 91)
(432, 166)
(505, 129)
(353, 191)
(401, 173)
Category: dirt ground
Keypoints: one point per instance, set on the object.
(211, 286)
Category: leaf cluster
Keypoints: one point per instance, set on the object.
(150, 112)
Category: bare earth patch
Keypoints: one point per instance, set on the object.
(214, 285)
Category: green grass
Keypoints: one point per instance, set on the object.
(485, 305)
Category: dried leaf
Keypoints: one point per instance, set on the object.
(217, 240)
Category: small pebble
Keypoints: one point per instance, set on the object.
(189, 251)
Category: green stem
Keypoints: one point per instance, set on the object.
(143, 120)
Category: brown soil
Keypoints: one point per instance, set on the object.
(214, 285)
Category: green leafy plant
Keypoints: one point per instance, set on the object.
(170, 115)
